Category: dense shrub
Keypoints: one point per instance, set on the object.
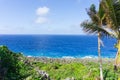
(12, 66)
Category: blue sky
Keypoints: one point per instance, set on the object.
(43, 16)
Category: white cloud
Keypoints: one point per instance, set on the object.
(41, 20)
(41, 15)
(42, 11)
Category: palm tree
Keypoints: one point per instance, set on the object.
(95, 26)
(112, 11)
(105, 22)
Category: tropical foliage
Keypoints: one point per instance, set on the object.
(112, 10)
(105, 22)
(109, 13)
(14, 66)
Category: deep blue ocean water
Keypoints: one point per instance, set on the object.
(58, 46)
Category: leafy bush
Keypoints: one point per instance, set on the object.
(12, 65)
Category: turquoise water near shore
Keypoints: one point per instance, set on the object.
(58, 46)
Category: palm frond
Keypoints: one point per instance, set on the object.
(111, 18)
(92, 28)
(111, 32)
(89, 27)
(117, 11)
(101, 12)
(92, 14)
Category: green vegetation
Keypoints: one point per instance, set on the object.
(78, 70)
(15, 66)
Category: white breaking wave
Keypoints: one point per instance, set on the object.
(89, 57)
(68, 57)
(29, 56)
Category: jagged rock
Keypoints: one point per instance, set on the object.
(44, 75)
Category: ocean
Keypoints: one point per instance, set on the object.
(59, 46)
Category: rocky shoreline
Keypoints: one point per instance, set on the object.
(69, 60)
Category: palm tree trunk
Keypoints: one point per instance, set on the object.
(99, 56)
(117, 59)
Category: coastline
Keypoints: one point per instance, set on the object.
(69, 60)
